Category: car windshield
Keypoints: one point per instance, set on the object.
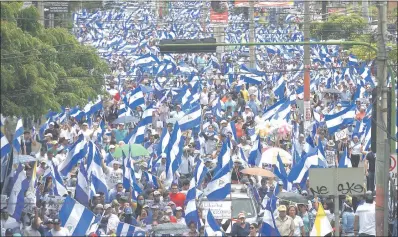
(243, 205)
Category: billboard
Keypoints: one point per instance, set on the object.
(218, 12)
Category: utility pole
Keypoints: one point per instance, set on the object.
(382, 151)
(251, 35)
(307, 65)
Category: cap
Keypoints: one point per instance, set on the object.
(107, 206)
(112, 146)
(155, 206)
(169, 210)
(241, 215)
(339, 105)
(223, 121)
(48, 135)
(282, 208)
(163, 155)
(280, 182)
(178, 208)
(301, 135)
(144, 165)
(99, 206)
(145, 206)
(156, 192)
(85, 124)
(52, 123)
(247, 107)
(115, 202)
(121, 124)
(49, 221)
(237, 161)
(56, 221)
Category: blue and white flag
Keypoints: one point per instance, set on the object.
(136, 136)
(224, 157)
(16, 142)
(5, 146)
(20, 184)
(163, 141)
(192, 118)
(345, 161)
(77, 151)
(58, 187)
(151, 178)
(136, 99)
(76, 217)
(343, 118)
(82, 192)
(298, 171)
(124, 229)
(191, 211)
(220, 186)
(127, 172)
(147, 115)
(200, 172)
(174, 152)
(268, 227)
(280, 171)
(94, 169)
(255, 153)
(211, 226)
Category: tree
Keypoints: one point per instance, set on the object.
(44, 69)
(339, 27)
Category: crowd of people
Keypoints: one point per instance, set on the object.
(249, 114)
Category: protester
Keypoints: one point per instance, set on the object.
(284, 223)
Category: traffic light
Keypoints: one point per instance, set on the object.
(198, 45)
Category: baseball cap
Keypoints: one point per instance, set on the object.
(156, 192)
(99, 206)
(145, 206)
(282, 208)
(107, 206)
(223, 121)
(56, 221)
(241, 215)
(178, 208)
(155, 206)
(111, 146)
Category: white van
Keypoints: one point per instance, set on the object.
(242, 201)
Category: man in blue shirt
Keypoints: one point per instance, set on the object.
(120, 133)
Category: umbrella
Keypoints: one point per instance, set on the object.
(170, 228)
(136, 150)
(258, 171)
(269, 156)
(23, 159)
(332, 91)
(126, 119)
(292, 197)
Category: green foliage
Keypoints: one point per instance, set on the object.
(42, 69)
(338, 27)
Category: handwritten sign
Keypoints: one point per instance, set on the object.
(341, 134)
(337, 181)
(220, 209)
(330, 157)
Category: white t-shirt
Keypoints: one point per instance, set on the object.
(62, 232)
(204, 99)
(86, 134)
(355, 148)
(113, 176)
(298, 223)
(367, 219)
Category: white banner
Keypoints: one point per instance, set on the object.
(219, 209)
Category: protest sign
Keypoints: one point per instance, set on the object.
(341, 134)
(219, 209)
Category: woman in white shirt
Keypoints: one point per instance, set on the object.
(356, 149)
(298, 222)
